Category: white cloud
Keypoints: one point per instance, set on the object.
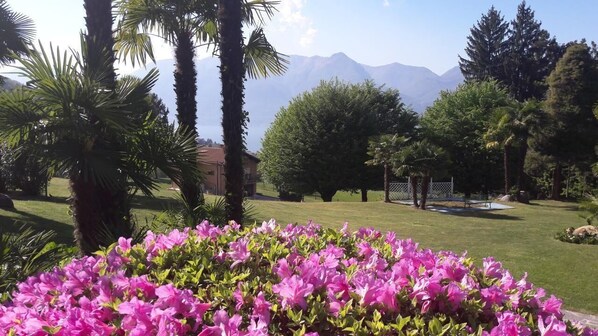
(291, 18)
(386, 3)
(308, 37)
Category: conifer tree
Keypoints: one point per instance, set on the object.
(486, 48)
(531, 56)
(571, 97)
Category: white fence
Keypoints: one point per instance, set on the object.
(402, 191)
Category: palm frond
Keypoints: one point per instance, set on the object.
(134, 46)
(17, 30)
(261, 59)
(256, 12)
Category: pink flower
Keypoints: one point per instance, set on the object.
(239, 253)
(293, 291)
(223, 325)
(493, 295)
(552, 306)
(261, 308)
(554, 327)
(510, 324)
(492, 268)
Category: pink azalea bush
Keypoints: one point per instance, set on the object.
(274, 280)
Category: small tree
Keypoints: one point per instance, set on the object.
(381, 150)
(420, 159)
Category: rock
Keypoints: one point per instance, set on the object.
(586, 230)
(523, 197)
(6, 202)
(506, 198)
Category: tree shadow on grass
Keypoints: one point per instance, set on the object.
(485, 215)
(64, 232)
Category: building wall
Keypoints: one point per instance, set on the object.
(214, 176)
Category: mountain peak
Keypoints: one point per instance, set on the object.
(418, 86)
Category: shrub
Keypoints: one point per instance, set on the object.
(296, 280)
(567, 236)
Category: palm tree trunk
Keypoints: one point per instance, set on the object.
(185, 87)
(506, 169)
(521, 166)
(556, 182)
(100, 41)
(113, 207)
(86, 214)
(233, 119)
(425, 186)
(413, 180)
(386, 183)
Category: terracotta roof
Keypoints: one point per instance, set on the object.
(216, 154)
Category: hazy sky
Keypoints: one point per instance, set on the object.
(428, 33)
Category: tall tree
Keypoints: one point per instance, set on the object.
(532, 55)
(572, 95)
(232, 75)
(458, 121)
(486, 48)
(183, 24)
(391, 117)
(112, 202)
(17, 30)
(511, 128)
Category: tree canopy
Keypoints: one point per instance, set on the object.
(319, 142)
(458, 121)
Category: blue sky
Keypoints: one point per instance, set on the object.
(428, 33)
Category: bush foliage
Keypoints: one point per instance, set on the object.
(293, 280)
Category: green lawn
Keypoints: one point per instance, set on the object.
(267, 189)
(521, 238)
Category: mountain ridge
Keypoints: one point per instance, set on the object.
(418, 86)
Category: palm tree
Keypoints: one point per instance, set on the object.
(231, 75)
(99, 40)
(114, 205)
(185, 25)
(420, 159)
(76, 118)
(511, 128)
(381, 150)
(17, 31)
(258, 58)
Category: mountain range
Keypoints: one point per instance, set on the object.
(418, 86)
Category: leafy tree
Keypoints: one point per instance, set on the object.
(458, 120)
(486, 48)
(572, 94)
(420, 159)
(314, 144)
(17, 30)
(381, 150)
(531, 56)
(391, 117)
(63, 106)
